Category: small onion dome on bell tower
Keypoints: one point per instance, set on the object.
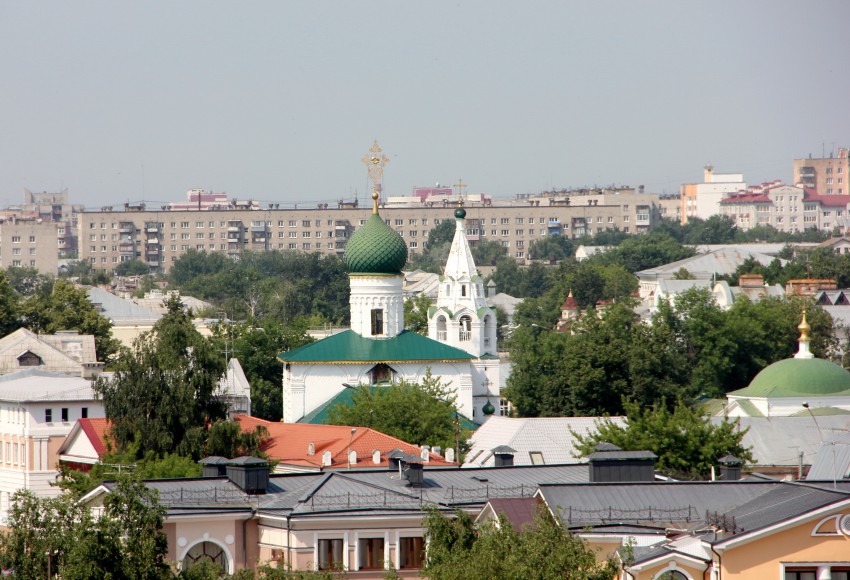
(804, 329)
(375, 248)
(460, 213)
(488, 408)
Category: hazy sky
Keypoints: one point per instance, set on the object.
(278, 101)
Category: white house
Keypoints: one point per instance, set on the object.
(37, 410)
(460, 348)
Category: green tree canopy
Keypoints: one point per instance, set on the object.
(132, 268)
(551, 248)
(64, 307)
(422, 414)
(685, 440)
(161, 396)
(458, 550)
(487, 252)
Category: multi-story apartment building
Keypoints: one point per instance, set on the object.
(31, 243)
(159, 237)
(53, 207)
(702, 200)
(788, 208)
(826, 175)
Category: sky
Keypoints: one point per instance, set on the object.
(279, 101)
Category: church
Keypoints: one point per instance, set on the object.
(460, 347)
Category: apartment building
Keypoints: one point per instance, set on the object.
(787, 208)
(32, 243)
(159, 237)
(826, 175)
(53, 207)
(702, 200)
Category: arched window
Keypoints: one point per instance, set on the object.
(488, 330)
(672, 575)
(205, 551)
(377, 322)
(465, 328)
(441, 328)
(381, 373)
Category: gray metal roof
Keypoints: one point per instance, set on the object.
(34, 385)
(119, 310)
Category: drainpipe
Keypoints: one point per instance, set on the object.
(719, 560)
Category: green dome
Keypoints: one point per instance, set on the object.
(488, 408)
(375, 248)
(460, 213)
(795, 377)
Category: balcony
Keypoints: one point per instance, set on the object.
(442, 335)
(465, 335)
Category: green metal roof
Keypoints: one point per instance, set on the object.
(348, 347)
(375, 248)
(798, 377)
(320, 415)
(821, 411)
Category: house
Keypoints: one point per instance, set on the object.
(364, 521)
(532, 440)
(67, 352)
(37, 411)
(750, 285)
(741, 529)
(460, 347)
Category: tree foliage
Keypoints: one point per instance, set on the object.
(422, 414)
(685, 440)
(551, 248)
(64, 307)
(132, 268)
(160, 398)
(542, 550)
(416, 314)
(692, 347)
(61, 535)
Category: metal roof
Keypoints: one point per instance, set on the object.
(350, 347)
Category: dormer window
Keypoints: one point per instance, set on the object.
(381, 374)
(30, 359)
(377, 322)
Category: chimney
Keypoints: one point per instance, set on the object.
(609, 463)
(730, 468)
(450, 455)
(503, 456)
(250, 474)
(413, 470)
(214, 466)
(424, 453)
(751, 281)
(394, 458)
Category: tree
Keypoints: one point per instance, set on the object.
(685, 440)
(226, 439)
(551, 248)
(10, 306)
(161, 396)
(132, 268)
(417, 413)
(59, 536)
(257, 346)
(27, 281)
(64, 307)
(487, 252)
(544, 549)
(416, 314)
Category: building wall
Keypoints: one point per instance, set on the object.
(30, 243)
(702, 200)
(765, 557)
(826, 175)
(106, 238)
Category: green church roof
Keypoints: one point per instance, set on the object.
(798, 377)
(375, 248)
(348, 347)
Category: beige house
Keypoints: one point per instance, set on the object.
(67, 352)
(31, 243)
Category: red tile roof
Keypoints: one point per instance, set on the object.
(97, 432)
(289, 443)
(569, 303)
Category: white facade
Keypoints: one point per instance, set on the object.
(37, 411)
(702, 200)
(377, 305)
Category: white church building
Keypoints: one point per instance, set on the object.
(460, 347)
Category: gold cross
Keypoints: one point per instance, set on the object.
(375, 162)
(460, 185)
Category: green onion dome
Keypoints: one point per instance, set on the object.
(375, 248)
(460, 213)
(488, 408)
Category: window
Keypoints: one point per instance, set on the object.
(205, 551)
(184, 224)
(305, 246)
(16, 239)
(413, 245)
(518, 220)
(330, 554)
(377, 322)
(672, 575)
(465, 329)
(506, 220)
(370, 554)
(48, 415)
(293, 223)
(84, 413)
(64, 414)
(536, 457)
(305, 223)
(32, 239)
(412, 552)
(801, 573)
